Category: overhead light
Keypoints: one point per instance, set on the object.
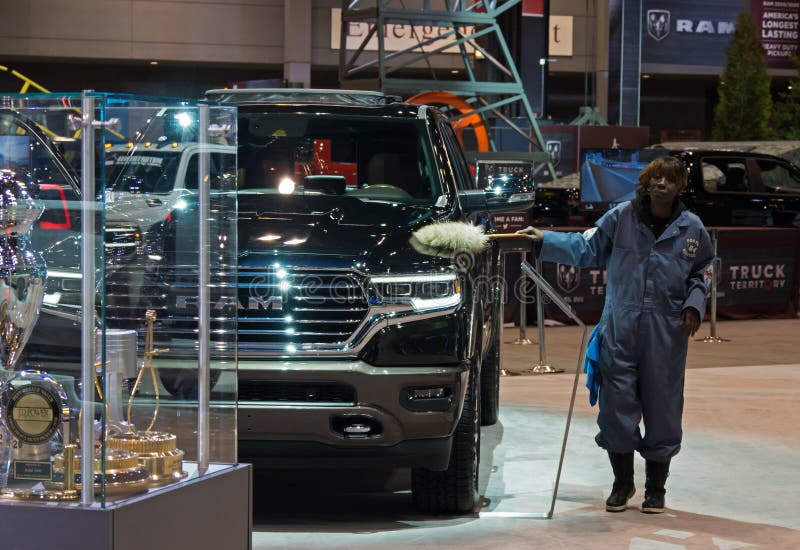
(454, 71)
(184, 119)
(154, 62)
(645, 76)
(478, 54)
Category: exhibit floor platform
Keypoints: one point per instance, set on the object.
(735, 483)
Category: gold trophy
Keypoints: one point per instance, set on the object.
(122, 471)
(118, 473)
(157, 451)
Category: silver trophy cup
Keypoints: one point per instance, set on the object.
(28, 413)
(22, 269)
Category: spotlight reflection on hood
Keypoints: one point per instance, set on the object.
(286, 186)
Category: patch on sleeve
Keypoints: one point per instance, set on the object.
(589, 233)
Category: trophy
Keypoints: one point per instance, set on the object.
(34, 410)
(22, 269)
(158, 451)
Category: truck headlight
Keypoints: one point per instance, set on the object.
(423, 292)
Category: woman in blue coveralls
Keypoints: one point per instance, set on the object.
(655, 252)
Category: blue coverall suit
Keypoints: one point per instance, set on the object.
(642, 343)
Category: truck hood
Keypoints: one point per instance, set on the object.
(374, 240)
(142, 210)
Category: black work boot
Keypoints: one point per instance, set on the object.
(623, 489)
(654, 491)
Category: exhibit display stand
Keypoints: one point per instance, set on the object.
(209, 511)
(110, 205)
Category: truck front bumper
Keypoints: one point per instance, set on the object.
(317, 412)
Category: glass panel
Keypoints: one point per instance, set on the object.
(149, 157)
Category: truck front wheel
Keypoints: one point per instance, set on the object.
(455, 490)
(490, 384)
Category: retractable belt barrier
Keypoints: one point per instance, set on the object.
(714, 271)
(543, 287)
(523, 339)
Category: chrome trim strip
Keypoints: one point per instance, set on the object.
(380, 317)
(304, 404)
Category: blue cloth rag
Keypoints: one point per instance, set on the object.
(591, 366)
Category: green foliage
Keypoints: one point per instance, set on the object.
(745, 103)
(786, 112)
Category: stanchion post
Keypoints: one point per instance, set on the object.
(714, 278)
(523, 317)
(541, 367)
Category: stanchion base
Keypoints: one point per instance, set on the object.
(544, 369)
(538, 369)
(522, 342)
(713, 339)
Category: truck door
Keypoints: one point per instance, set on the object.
(779, 184)
(730, 193)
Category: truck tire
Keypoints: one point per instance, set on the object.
(490, 384)
(182, 383)
(454, 490)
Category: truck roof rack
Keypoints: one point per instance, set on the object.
(302, 96)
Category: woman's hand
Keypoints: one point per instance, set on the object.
(690, 321)
(532, 233)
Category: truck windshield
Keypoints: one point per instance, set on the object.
(143, 172)
(372, 159)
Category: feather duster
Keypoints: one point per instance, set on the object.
(449, 237)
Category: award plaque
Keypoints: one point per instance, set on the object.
(34, 425)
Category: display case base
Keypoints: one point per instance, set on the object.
(209, 511)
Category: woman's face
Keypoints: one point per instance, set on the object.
(661, 189)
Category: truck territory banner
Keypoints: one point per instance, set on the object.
(759, 276)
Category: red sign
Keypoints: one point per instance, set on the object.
(778, 26)
(533, 8)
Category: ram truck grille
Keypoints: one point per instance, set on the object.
(276, 309)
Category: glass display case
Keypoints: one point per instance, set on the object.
(118, 298)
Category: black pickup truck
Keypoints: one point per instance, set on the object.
(355, 345)
(725, 188)
(735, 188)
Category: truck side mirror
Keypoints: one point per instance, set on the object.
(472, 200)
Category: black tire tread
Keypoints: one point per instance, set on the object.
(454, 490)
(490, 385)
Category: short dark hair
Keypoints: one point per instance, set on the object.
(671, 168)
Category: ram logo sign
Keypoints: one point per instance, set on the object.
(554, 150)
(658, 23)
(568, 277)
(269, 303)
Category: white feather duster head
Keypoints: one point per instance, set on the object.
(449, 237)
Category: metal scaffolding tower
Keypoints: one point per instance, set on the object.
(467, 25)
